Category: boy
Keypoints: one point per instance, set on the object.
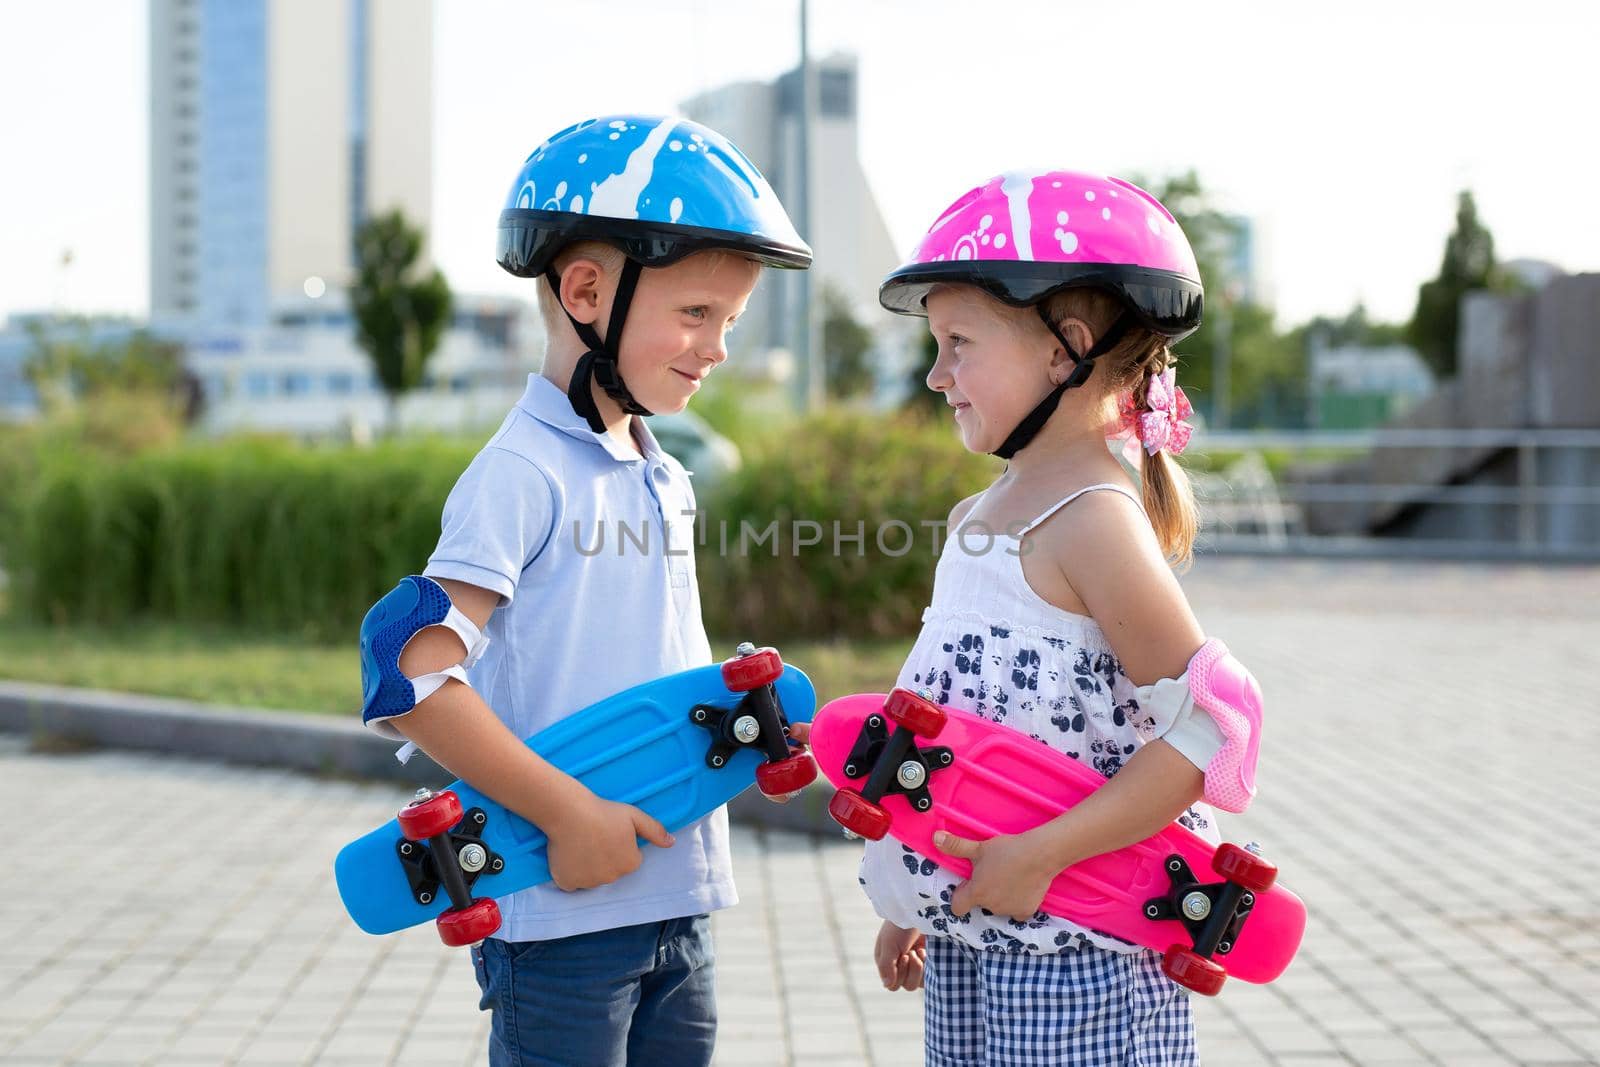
(660, 226)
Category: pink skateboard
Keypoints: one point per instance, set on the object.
(984, 779)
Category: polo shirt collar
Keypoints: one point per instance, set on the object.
(545, 401)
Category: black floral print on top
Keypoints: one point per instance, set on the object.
(1074, 698)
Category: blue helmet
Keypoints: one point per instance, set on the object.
(656, 188)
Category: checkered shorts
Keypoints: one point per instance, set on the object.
(1087, 1008)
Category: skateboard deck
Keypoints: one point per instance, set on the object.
(909, 768)
(678, 748)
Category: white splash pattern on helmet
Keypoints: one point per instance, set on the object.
(967, 245)
(716, 160)
(1017, 186)
(618, 196)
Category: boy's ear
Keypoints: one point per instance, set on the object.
(581, 284)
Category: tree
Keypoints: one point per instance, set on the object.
(845, 344)
(114, 397)
(1355, 329)
(1468, 264)
(66, 368)
(1268, 371)
(398, 321)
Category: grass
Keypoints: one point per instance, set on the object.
(164, 659)
(272, 671)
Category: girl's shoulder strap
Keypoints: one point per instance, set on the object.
(1058, 505)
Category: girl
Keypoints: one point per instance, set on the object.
(1055, 299)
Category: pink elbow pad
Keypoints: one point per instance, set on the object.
(1229, 694)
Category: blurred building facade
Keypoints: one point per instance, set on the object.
(277, 128)
(304, 374)
(301, 372)
(848, 233)
(1354, 387)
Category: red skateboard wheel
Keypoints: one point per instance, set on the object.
(470, 924)
(1193, 971)
(744, 673)
(784, 776)
(859, 815)
(1244, 868)
(922, 717)
(433, 816)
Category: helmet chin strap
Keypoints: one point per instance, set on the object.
(599, 363)
(1083, 366)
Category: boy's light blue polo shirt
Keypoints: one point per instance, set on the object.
(551, 516)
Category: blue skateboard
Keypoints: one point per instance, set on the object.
(677, 748)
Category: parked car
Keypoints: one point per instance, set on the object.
(690, 440)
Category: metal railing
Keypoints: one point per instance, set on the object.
(1469, 493)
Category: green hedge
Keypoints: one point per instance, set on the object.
(862, 472)
(257, 533)
(286, 538)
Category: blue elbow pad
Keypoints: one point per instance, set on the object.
(411, 607)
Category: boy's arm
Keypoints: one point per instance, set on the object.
(592, 841)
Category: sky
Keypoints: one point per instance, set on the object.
(1344, 130)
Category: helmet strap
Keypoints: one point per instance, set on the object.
(599, 363)
(1083, 366)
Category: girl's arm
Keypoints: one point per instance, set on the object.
(1108, 553)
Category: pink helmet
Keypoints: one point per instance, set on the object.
(1025, 236)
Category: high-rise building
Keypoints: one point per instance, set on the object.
(846, 230)
(276, 127)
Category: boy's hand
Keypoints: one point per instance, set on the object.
(595, 842)
(901, 956)
(1010, 874)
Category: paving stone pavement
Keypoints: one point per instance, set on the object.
(1427, 787)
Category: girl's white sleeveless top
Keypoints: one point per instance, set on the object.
(992, 646)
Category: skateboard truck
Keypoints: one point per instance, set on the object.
(891, 762)
(756, 721)
(1213, 913)
(443, 846)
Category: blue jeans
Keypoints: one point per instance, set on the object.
(629, 997)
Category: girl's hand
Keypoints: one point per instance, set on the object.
(901, 956)
(799, 736)
(1010, 874)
